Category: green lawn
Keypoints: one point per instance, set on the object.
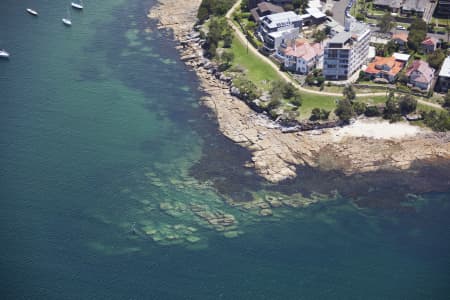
(310, 101)
(257, 71)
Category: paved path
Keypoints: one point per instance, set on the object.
(240, 35)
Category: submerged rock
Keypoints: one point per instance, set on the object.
(265, 212)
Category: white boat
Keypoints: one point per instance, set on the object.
(67, 20)
(32, 12)
(77, 5)
(3, 53)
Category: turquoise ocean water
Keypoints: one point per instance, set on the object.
(101, 136)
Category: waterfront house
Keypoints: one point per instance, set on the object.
(384, 67)
(430, 44)
(264, 9)
(444, 76)
(276, 28)
(301, 57)
(420, 74)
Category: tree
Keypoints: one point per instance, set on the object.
(227, 57)
(446, 103)
(296, 100)
(315, 114)
(202, 14)
(301, 5)
(227, 39)
(437, 122)
(344, 110)
(288, 7)
(390, 48)
(359, 108)
(349, 92)
(392, 108)
(319, 35)
(436, 59)
(407, 104)
(417, 33)
(386, 22)
(371, 111)
(251, 26)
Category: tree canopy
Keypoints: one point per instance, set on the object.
(436, 58)
(344, 110)
(386, 22)
(417, 33)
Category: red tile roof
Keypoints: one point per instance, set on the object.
(305, 50)
(431, 41)
(425, 72)
(387, 65)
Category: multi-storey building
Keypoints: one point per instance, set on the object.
(276, 28)
(347, 51)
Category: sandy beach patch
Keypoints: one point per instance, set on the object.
(377, 129)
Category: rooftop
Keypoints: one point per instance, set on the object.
(445, 69)
(401, 56)
(315, 13)
(280, 19)
(429, 40)
(303, 49)
(390, 3)
(387, 65)
(403, 36)
(422, 67)
(416, 5)
(340, 38)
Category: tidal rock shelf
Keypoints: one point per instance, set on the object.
(277, 155)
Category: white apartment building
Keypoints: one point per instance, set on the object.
(347, 51)
(276, 28)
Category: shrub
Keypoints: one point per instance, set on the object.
(407, 104)
(371, 111)
(359, 108)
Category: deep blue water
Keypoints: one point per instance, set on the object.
(100, 124)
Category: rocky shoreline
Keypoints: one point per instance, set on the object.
(277, 153)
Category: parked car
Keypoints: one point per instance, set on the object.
(400, 27)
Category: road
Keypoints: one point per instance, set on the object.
(283, 75)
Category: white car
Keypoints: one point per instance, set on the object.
(400, 27)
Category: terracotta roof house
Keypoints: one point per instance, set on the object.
(264, 9)
(420, 74)
(301, 57)
(401, 39)
(384, 67)
(430, 44)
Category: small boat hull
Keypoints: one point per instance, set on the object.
(32, 12)
(4, 54)
(67, 22)
(76, 5)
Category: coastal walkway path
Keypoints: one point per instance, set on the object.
(242, 38)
